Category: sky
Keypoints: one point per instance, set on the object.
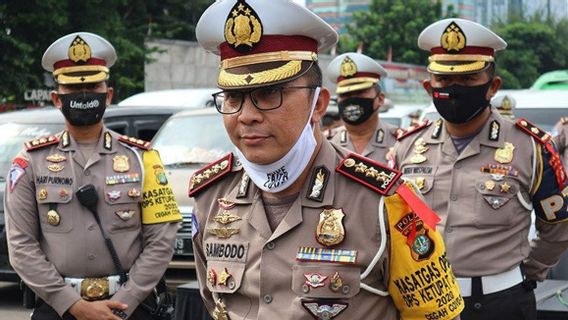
(303, 2)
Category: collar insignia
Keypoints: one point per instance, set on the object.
(243, 28)
(494, 131)
(320, 177)
(79, 50)
(380, 136)
(243, 185)
(453, 40)
(348, 68)
(108, 141)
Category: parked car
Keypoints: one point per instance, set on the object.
(21, 126)
(553, 80)
(186, 98)
(186, 142)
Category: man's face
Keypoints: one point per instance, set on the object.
(97, 87)
(265, 136)
(467, 80)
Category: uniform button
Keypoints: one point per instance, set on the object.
(232, 285)
(305, 288)
(87, 172)
(91, 228)
(267, 298)
(345, 289)
(482, 187)
(477, 305)
(453, 197)
(457, 165)
(91, 256)
(270, 245)
(449, 229)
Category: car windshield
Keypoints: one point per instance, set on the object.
(13, 137)
(192, 140)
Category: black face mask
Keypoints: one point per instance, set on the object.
(459, 104)
(356, 110)
(83, 108)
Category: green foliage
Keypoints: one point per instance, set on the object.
(535, 45)
(28, 27)
(393, 24)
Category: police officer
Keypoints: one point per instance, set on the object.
(484, 175)
(504, 104)
(297, 228)
(359, 99)
(55, 243)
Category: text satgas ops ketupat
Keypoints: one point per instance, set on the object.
(355, 242)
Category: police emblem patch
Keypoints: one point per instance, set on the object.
(120, 163)
(420, 243)
(324, 311)
(17, 171)
(243, 28)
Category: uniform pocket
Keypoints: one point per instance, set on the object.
(494, 193)
(54, 214)
(325, 281)
(122, 206)
(224, 276)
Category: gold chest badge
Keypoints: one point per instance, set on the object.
(330, 230)
(505, 154)
(53, 218)
(243, 28)
(55, 167)
(419, 148)
(56, 158)
(120, 164)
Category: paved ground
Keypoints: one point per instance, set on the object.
(11, 303)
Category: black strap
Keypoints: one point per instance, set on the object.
(113, 254)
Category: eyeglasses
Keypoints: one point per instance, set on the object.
(264, 98)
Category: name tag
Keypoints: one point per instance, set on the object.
(226, 251)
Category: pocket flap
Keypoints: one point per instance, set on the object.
(53, 194)
(224, 277)
(325, 281)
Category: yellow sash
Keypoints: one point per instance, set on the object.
(421, 281)
(158, 202)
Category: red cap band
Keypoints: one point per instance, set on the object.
(69, 63)
(467, 50)
(272, 43)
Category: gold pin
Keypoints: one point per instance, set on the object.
(226, 217)
(53, 218)
(220, 312)
(223, 233)
(55, 167)
(505, 154)
(360, 167)
(133, 193)
(330, 230)
(335, 283)
(42, 195)
(504, 187)
(224, 276)
(56, 158)
(349, 163)
(63, 193)
(420, 181)
(212, 277)
(490, 185)
(120, 163)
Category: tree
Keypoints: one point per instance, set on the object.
(391, 27)
(28, 27)
(534, 46)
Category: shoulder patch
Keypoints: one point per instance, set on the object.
(41, 142)
(210, 173)
(368, 172)
(412, 129)
(564, 120)
(139, 143)
(539, 134)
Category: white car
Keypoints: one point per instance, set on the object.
(188, 98)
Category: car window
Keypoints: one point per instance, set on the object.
(13, 138)
(192, 140)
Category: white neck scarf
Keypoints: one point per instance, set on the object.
(281, 174)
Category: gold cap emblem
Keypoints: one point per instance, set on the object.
(243, 28)
(79, 50)
(453, 38)
(348, 68)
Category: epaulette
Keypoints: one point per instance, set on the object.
(412, 129)
(139, 143)
(368, 172)
(210, 173)
(41, 142)
(539, 134)
(564, 120)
